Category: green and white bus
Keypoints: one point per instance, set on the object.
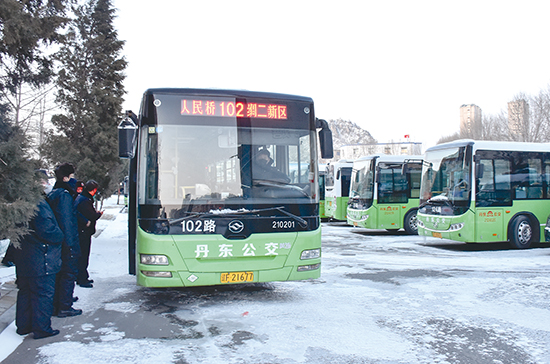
(485, 191)
(202, 209)
(337, 180)
(322, 178)
(384, 192)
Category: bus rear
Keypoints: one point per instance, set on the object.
(225, 188)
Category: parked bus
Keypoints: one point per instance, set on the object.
(337, 189)
(384, 192)
(485, 191)
(322, 178)
(223, 187)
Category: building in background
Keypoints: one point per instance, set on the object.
(354, 151)
(518, 119)
(470, 121)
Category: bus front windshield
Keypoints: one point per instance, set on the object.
(204, 167)
(362, 185)
(446, 182)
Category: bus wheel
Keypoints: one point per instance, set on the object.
(521, 233)
(410, 223)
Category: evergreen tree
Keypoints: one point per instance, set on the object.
(20, 188)
(26, 27)
(90, 91)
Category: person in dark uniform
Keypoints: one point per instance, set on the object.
(87, 217)
(61, 200)
(37, 261)
(262, 168)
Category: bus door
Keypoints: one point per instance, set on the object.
(392, 194)
(493, 191)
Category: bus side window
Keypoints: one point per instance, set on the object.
(527, 180)
(547, 176)
(415, 178)
(494, 187)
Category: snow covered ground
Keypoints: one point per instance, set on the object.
(382, 298)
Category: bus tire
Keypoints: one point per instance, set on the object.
(520, 234)
(410, 223)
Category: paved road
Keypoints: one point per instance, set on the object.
(382, 298)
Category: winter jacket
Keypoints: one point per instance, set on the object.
(62, 204)
(40, 250)
(85, 211)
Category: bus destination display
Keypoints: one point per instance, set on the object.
(193, 107)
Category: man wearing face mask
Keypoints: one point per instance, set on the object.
(263, 169)
(61, 200)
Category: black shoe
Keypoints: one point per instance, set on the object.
(23, 332)
(74, 299)
(86, 285)
(68, 313)
(90, 281)
(46, 334)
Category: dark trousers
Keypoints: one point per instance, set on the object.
(64, 284)
(9, 257)
(84, 259)
(34, 306)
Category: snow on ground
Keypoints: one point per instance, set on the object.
(381, 298)
(7, 274)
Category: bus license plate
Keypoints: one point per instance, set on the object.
(237, 277)
(436, 235)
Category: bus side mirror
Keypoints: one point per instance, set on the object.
(325, 139)
(127, 132)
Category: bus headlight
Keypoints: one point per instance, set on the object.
(154, 274)
(310, 254)
(456, 227)
(153, 259)
(304, 268)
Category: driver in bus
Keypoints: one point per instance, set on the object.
(263, 169)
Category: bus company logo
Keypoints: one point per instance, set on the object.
(235, 226)
(490, 214)
(436, 221)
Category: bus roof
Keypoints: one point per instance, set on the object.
(341, 163)
(228, 93)
(493, 145)
(390, 158)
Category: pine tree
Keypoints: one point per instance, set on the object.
(26, 27)
(20, 188)
(90, 91)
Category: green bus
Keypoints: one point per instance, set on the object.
(485, 191)
(337, 180)
(322, 178)
(384, 192)
(223, 187)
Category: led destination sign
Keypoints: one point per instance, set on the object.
(232, 109)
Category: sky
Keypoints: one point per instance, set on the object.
(394, 68)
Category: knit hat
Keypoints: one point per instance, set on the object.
(63, 170)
